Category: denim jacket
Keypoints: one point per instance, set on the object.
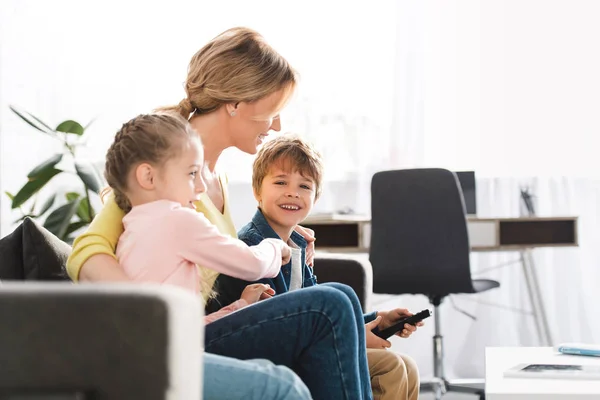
(229, 289)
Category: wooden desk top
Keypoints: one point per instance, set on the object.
(350, 233)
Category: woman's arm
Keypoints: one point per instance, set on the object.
(100, 239)
(102, 268)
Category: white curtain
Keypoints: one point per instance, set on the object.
(511, 90)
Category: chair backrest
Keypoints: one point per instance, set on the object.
(419, 239)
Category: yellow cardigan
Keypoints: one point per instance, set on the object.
(103, 233)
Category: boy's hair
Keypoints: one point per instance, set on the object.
(295, 153)
(236, 66)
(151, 138)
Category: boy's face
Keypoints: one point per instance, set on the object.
(285, 197)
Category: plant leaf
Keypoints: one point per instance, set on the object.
(70, 126)
(75, 226)
(72, 196)
(83, 212)
(10, 195)
(38, 124)
(58, 221)
(47, 205)
(33, 186)
(49, 163)
(88, 175)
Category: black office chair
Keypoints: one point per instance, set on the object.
(420, 245)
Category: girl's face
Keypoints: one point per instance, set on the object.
(252, 121)
(179, 179)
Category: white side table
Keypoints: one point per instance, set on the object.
(497, 387)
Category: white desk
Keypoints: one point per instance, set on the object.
(497, 387)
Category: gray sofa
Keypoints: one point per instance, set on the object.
(62, 341)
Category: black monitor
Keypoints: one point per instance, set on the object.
(467, 184)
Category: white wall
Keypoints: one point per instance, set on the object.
(513, 86)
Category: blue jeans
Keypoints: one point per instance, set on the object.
(232, 379)
(318, 332)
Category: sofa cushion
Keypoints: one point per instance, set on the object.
(31, 252)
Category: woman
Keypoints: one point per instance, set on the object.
(236, 86)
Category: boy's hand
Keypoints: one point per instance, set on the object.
(257, 291)
(308, 235)
(389, 318)
(374, 341)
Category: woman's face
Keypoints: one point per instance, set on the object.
(252, 121)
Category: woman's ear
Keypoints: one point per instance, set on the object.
(231, 108)
(145, 176)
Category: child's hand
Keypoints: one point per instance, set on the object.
(390, 318)
(257, 291)
(374, 341)
(286, 253)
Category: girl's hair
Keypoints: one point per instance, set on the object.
(151, 138)
(236, 66)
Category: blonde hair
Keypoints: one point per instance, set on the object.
(236, 66)
(295, 154)
(151, 138)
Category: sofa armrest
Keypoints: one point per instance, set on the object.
(352, 270)
(100, 341)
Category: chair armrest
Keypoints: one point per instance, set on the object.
(102, 341)
(352, 270)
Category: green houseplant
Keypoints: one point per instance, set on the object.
(62, 213)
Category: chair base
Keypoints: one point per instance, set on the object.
(440, 386)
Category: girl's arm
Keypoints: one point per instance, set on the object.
(225, 311)
(200, 242)
(93, 256)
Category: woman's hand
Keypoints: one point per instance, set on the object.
(308, 235)
(374, 341)
(257, 291)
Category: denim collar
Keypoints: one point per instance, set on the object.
(265, 230)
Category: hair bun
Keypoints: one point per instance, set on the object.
(186, 106)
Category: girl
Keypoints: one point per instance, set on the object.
(153, 169)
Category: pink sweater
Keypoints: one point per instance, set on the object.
(164, 241)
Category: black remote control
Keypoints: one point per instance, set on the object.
(398, 326)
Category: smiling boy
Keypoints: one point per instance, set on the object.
(286, 181)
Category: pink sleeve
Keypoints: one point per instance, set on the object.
(200, 242)
(236, 305)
